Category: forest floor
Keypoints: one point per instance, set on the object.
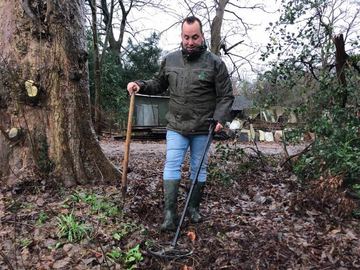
(257, 215)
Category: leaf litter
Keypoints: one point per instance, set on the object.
(260, 219)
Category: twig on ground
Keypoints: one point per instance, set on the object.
(103, 252)
(6, 260)
(297, 155)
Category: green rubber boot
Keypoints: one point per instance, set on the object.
(194, 203)
(171, 189)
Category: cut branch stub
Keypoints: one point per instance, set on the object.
(14, 134)
(33, 94)
(31, 89)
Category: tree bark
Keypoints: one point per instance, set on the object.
(56, 139)
(216, 27)
(340, 65)
(97, 71)
(116, 45)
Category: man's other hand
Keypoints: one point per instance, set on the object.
(132, 88)
(219, 127)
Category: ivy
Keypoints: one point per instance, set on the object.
(304, 76)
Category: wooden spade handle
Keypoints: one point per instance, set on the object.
(127, 146)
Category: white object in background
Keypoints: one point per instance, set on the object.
(261, 135)
(269, 137)
(235, 124)
(278, 135)
(252, 132)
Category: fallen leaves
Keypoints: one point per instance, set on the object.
(261, 221)
(61, 263)
(191, 236)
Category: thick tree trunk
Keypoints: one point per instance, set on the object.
(216, 27)
(97, 71)
(43, 46)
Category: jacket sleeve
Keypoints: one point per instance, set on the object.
(224, 95)
(157, 85)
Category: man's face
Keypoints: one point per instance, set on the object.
(191, 36)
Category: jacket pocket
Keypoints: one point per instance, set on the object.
(174, 78)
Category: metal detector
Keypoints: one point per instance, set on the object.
(172, 250)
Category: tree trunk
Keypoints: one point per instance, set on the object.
(216, 27)
(340, 65)
(97, 72)
(116, 45)
(44, 95)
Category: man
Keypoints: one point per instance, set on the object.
(200, 88)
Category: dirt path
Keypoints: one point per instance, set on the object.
(116, 148)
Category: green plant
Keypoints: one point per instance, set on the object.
(147, 242)
(13, 205)
(357, 188)
(42, 218)
(221, 235)
(126, 229)
(25, 242)
(72, 229)
(113, 211)
(76, 196)
(327, 99)
(114, 255)
(129, 258)
(133, 255)
(336, 149)
(117, 236)
(98, 203)
(228, 163)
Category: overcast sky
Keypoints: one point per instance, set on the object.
(148, 20)
(153, 20)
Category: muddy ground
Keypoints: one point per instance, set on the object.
(257, 215)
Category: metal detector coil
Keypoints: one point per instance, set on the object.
(168, 251)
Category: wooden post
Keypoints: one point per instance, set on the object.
(127, 147)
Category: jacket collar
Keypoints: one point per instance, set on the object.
(190, 56)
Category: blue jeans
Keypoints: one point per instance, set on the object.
(176, 148)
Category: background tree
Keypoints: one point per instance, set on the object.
(275, 88)
(98, 60)
(141, 61)
(121, 22)
(228, 30)
(46, 130)
(304, 41)
(110, 11)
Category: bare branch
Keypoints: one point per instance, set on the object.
(226, 51)
(256, 6)
(108, 27)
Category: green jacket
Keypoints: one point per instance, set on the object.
(200, 88)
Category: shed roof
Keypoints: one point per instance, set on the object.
(240, 103)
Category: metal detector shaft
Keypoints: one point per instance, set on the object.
(193, 184)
